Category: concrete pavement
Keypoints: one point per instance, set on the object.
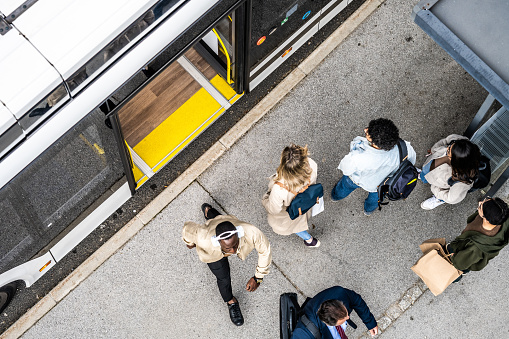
(153, 287)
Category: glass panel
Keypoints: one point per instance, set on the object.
(275, 21)
(44, 109)
(10, 138)
(15, 236)
(60, 184)
(106, 56)
(219, 44)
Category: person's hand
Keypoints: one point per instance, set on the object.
(373, 331)
(252, 285)
(191, 246)
(429, 152)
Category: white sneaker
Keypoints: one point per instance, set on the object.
(431, 203)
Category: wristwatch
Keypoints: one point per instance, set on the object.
(258, 280)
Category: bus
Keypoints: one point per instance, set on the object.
(97, 96)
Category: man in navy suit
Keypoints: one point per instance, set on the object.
(330, 312)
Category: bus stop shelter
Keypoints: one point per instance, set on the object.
(475, 33)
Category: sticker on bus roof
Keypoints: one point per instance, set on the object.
(306, 15)
(261, 40)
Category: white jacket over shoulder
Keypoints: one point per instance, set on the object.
(368, 166)
(277, 199)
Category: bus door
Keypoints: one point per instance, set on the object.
(279, 28)
(180, 101)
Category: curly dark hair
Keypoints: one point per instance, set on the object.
(383, 133)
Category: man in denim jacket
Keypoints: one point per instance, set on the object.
(370, 161)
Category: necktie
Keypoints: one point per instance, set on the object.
(341, 332)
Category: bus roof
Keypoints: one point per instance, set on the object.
(70, 32)
(27, 77)
(50, 41)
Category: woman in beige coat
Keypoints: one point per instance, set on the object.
(451, 169)
(295, 171)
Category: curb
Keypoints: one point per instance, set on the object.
(117, 241)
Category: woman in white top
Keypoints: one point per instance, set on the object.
(451, 169)
(295, 171)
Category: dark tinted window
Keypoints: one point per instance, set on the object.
(56, 188)
(275, 21)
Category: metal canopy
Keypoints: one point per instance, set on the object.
(475, 34)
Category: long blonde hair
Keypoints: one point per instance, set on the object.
(294, 168)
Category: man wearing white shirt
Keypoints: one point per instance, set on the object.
(371, 159)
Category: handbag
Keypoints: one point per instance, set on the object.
(435, 267)
(304, 200)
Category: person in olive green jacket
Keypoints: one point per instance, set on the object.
(487, 232)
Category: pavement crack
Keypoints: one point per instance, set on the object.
(211, 196)
(289, 280)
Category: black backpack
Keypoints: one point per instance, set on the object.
(401, 183)
(304, 200)
(289, 314)
(483, 179)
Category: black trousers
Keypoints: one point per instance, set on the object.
(221, 268)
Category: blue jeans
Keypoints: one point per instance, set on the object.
(425, 170)
(345, 186)
(304, 235)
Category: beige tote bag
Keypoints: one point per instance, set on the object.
(435, 267)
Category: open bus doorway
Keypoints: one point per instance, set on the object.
(181, 101)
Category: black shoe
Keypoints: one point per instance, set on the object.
(236, 314)
(203, 207)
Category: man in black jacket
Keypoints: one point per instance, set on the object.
(330, 312)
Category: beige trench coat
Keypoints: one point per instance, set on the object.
(440, 175)
(277, 199)
(201, 234)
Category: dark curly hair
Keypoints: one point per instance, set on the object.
(383, 133)
(495, 211)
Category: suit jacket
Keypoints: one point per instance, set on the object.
(200, 235)
(349, 298)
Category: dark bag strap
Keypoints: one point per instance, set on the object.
(310, 326)
(403, 152)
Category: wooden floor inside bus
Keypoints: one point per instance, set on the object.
(170, 112)
(160, 98)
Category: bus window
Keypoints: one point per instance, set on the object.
(16, 238)
(10, 131)
(44, 108)
(120, 43)
(275, 21)
(59, 185)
